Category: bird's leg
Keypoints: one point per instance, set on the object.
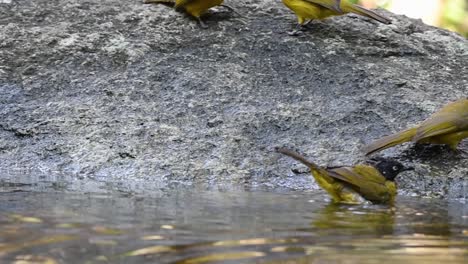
(202, 24)
(233, 10)
(307, 23)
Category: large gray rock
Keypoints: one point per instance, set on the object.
(122, 95)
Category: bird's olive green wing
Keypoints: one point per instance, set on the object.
(370, 173)
(358, 174)
(330, 4)
(364, 179)
(180, 3)
(451, 118)
(442, 124)
(459, 107)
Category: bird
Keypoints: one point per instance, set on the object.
(447, 126)
(308, 10)
(374, 182)
(195, 8)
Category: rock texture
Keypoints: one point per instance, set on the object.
(132, 96)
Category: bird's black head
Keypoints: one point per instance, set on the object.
(389, 168)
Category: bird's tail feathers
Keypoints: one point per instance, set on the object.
(390, 141)
(298, 157)
(369, 13)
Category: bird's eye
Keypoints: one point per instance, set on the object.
(395, 168)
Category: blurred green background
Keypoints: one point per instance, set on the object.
(449, 14)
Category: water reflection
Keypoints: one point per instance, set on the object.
(370, 219)
(192, 226)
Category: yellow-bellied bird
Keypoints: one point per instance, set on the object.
(447, 126)
(308, 10)
(349, 184)
(195, 8)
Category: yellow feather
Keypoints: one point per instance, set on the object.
(447, 126)
(197, 8)
(390, 141)
(349, 184)
(320, 9)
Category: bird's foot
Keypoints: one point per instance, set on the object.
(306, 23)
(296, 32)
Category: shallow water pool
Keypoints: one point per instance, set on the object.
(194, 226)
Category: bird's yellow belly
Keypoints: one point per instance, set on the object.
(351, 197)
(305, 10)
(391, 192)
(198, 8)
(337, 191)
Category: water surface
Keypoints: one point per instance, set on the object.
(194, 226)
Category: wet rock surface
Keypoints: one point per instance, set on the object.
(128, 94)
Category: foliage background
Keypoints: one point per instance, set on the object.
(449, 14)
